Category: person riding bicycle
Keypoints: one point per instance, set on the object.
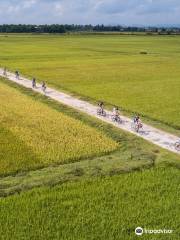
(101, 106)
(34, 83)
(116, 113)
(177, 145)
(136, 119)
(137, 123)
(17, 74)
(43, 86)
(5, 71)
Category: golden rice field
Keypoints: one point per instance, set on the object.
(33, 135)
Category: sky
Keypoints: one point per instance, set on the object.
(108, 12)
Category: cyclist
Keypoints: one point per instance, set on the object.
(5, 72)
(44, 87)
(116, 114)
(177, 145)
(34, 83)
(17, 74)
(136, 119)
(138, 123)
(101, 106)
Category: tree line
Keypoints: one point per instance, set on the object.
(59, 28)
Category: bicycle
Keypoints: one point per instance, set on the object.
(101, 112)
(136, 126)
(177, 145)
(116, 119)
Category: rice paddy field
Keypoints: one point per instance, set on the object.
(65, 175)
(34, 135)
(104, 208)
(109, 68)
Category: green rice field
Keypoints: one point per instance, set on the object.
(109, 68)
(104, 208)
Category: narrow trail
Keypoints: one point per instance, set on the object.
(151, 134)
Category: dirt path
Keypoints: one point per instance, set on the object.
(156, 136)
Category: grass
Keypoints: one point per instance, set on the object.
(108, 68)
(100, 208)
(34, 136)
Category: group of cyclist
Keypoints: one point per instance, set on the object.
(136, 123)
(43, 85)
(17, 76)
